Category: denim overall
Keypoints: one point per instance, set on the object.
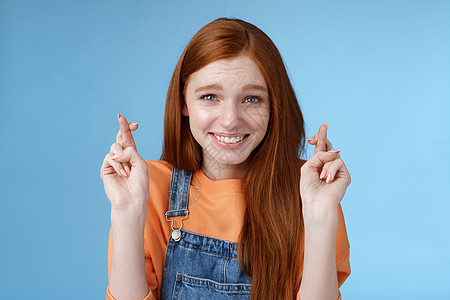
(198, 266)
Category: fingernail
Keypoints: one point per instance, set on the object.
(118, 116)
(322, 174)
(122, 171)
(334, 151)
(135, 124)
(117, 155)
(325, 124)
(127, 169)
(328, 178)
(310, 139)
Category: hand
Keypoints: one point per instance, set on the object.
(124, 172)
(324, 177)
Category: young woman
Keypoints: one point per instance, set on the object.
(230, 211)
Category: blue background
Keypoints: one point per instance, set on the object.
(377, 71)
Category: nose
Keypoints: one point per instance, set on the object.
(230, 116)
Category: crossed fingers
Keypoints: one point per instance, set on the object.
(124, 136)
(320, 140)
(124, 139)
(322, 144)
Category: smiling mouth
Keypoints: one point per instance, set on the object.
(230, 140)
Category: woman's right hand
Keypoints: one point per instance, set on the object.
(124, 172)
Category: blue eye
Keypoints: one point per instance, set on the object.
(208, 97)
(252, 99)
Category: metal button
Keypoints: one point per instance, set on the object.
(176, 235)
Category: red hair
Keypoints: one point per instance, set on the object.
(271, 240)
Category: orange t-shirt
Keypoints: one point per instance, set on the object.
(216, 209)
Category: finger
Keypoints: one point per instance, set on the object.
(313, 140)
(329, 145)
(117, 148)
(324, 172)
(133, 126)
(109, 163)
(340, 172)
(131, 156)
(126, 138)
(321, 139)
(320, 159)
(127, 168)
(333, 168)
(124, 141)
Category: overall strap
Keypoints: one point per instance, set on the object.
(178, 199)
(179, 192)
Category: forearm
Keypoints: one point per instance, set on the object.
(319, 280)
(128, 279)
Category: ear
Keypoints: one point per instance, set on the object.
(185, 111)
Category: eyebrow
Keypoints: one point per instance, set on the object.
(209, 87)
(218, 87)
(257, 87)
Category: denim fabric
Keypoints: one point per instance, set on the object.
(179, 191)
(198, 266)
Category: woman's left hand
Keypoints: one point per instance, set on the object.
(324, 177)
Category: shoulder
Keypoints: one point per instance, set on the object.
(159, 174)
(159, 167)
(157, 229)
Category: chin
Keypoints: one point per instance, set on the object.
(231, 159)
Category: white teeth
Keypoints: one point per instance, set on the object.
(229, 140)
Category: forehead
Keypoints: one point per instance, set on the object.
(237, 71)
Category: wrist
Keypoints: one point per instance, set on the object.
(131, 216)
(320, 214)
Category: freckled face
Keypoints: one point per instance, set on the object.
(227, 103)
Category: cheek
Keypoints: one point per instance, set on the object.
(200, 119)
(258, 118)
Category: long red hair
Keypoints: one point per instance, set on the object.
(270, 247)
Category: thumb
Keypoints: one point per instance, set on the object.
(320, 159)
(129, 155)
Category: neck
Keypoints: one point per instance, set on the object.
(216, 171)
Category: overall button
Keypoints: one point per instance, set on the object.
(176, 235)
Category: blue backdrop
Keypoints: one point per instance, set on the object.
(377, 71)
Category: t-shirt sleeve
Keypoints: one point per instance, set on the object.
(149, 271)
(342, 250)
